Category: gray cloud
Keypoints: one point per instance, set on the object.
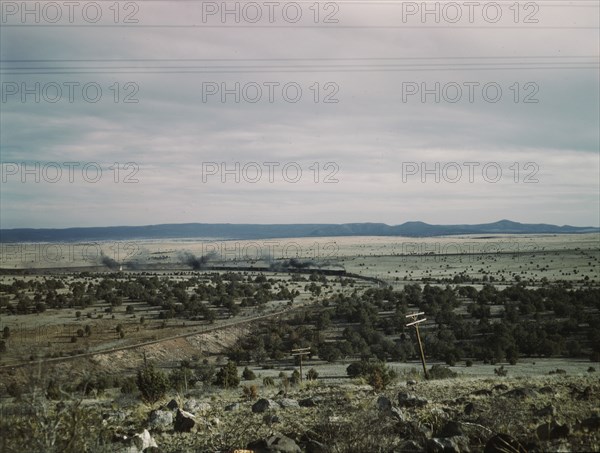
(369, 133)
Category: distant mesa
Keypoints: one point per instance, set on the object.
(255, 231)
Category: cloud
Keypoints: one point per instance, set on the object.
(373, 129)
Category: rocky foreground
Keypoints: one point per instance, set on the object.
(552, 413)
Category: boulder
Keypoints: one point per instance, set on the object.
(270, 419)
(195, 407)
(482, 392)
(447, 445)
(546, 390)
(275, 443)
(288, 403)
(184, 421)
(137, 443)
(551, 431)
(313, 446)
(521, 392)
(311, 401)
(411, 446)
(232, 407)
(408, 400)
(469, 409)
(263, 405)
(172, 405)
(502, 443)
(384, 404)
(590, 424)
(160, 420)
(450, 429)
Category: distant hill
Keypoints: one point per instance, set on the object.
(254, 231)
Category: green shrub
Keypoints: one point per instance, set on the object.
(227, 377)
(248, 374)
(295, 378)
(128, 386)
(181, 378)
(152, 383)
(441, 372)
(312, 375)
(500, 371)
(376, 373)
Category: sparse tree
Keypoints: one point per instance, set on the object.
(227, 377)
(152, 383)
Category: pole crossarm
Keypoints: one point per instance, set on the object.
(301, 352)
(415, 323)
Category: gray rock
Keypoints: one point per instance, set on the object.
(411, 382)
(590, 424)
(447, 445)
(384, 404)
(184, 421)
(270, 419)
(313, 446)
(551, 431)
(411, 446)
(263, 405)
(275, 443)
(521, 392)
(160, 420)
(482, 392)
(288, 403)
(195, 407)
(546, 411)
(313, 401)
(502, 443)
(232, 407)
(451, 429)
(408, 400)
(137, 443)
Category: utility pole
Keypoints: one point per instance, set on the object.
(415, 322)
(301, 352)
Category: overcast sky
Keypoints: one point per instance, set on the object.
(508, 126)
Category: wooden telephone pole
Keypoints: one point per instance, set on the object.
(415, 322)
(301, 352)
